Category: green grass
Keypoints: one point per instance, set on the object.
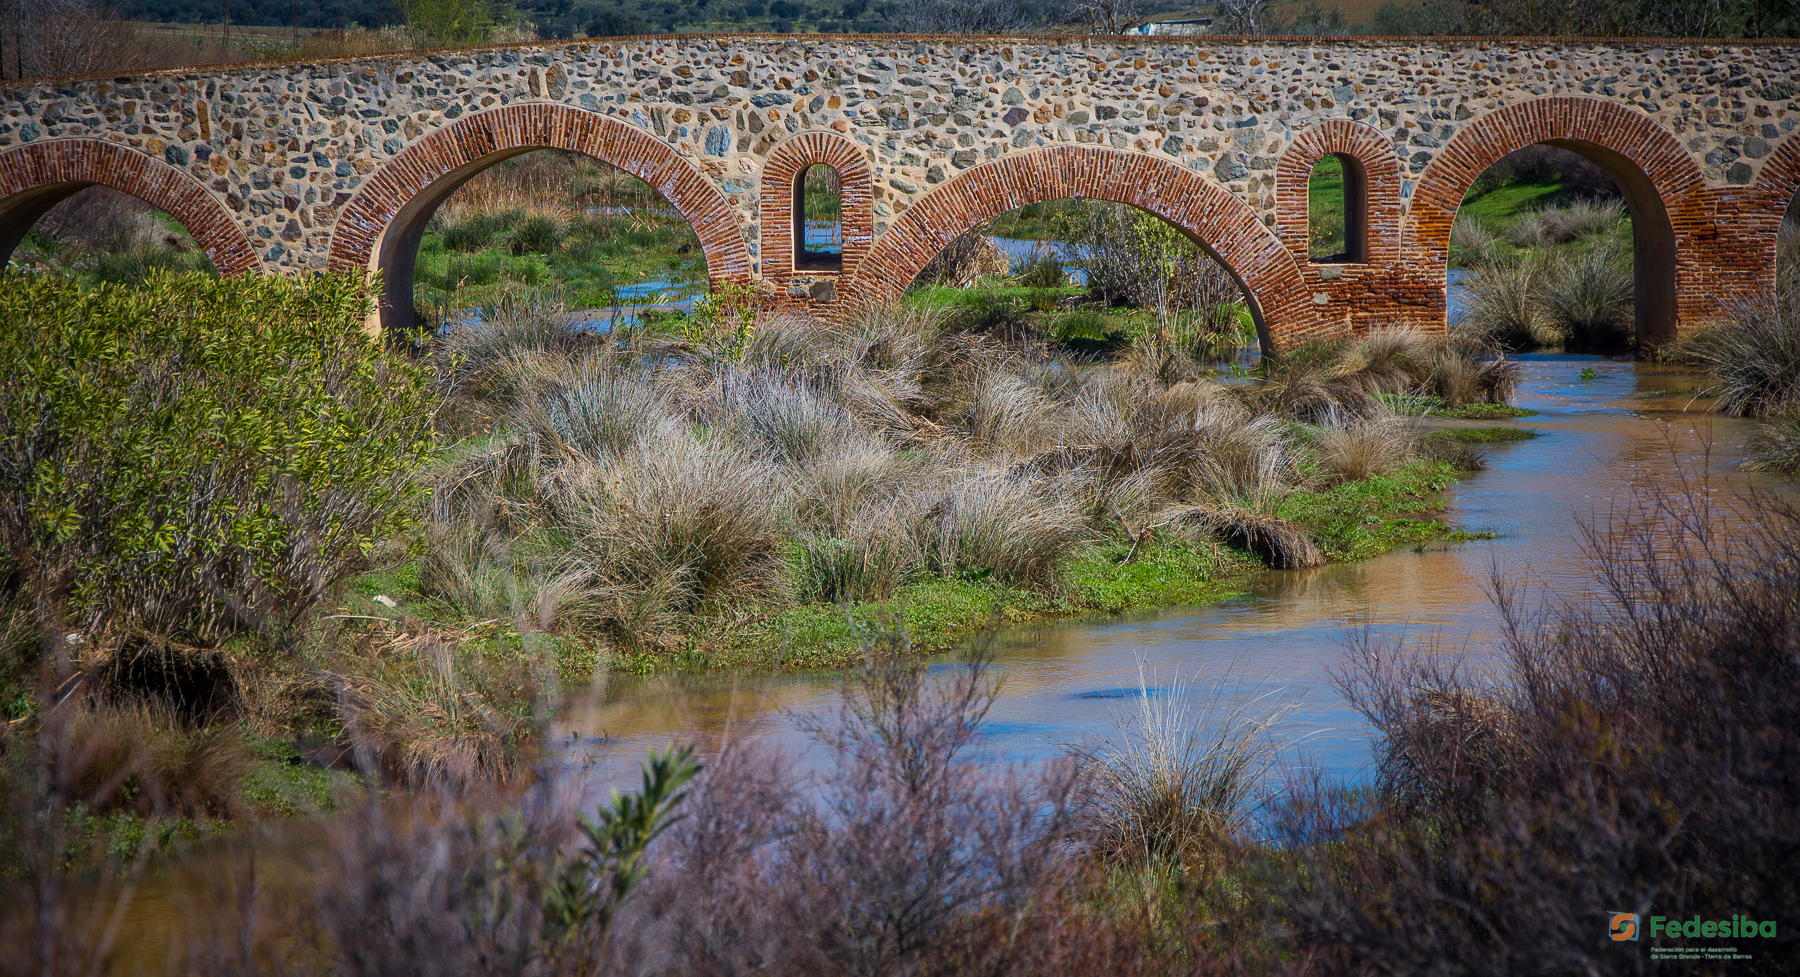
(282, 783)
(581, 262)
(1369, 517)
(1502, 205)
(1485, 435)
(1420, 406)
(1484, 412)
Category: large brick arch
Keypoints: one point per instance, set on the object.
(380, 227)
(37, 176)
(777, 205)
(1214, 218)
(1381, 216)
(1659, 178)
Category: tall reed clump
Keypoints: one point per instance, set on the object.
(1183, 777)
(1471, 243)
(1674, 692)
(1753, 353)
(1504, 307)
(1589, 300)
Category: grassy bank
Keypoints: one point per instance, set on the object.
(526, 508)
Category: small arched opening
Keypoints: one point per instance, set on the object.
(818, 219)
(1337, 202)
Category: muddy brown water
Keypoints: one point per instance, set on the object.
(1631, 426)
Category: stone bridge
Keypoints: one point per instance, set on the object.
(283, 168)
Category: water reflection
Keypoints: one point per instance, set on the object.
(1629, 426)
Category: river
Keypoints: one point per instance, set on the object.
(1626, 426)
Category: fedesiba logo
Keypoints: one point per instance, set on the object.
(1722, 938)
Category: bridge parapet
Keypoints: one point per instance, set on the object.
(334, 163)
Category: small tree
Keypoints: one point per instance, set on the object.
(451, 23)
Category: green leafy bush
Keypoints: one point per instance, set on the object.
(195, 456)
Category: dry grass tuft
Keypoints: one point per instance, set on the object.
(1182, 777)
(1354, 447)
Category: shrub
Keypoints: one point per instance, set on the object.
(1180, 776)
(140, 262)
(1045, 272)
(537, 234)
(1471, 243)
(597, 409)
(778, 419)
(471, 233)
(868, 565)
(142, 758)
(1636, 748)
(1470, 373)
(1775, 447)
(199, 456)
(678, 523)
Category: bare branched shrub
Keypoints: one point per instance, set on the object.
(906, 859)
(969, 17)
(1634, 752)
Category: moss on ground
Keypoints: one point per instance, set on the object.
(1485, 435)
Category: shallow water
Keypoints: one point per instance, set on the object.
(1068, 682)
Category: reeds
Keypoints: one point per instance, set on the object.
(1471, 243)
(1589, 300)
(1754, 355)
(1354, 447)
(1564, 225)
(1505, 309)
(1184, 774)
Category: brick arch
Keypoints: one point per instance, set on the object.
(38, 176)
(1213, 217)
(379, 228)
(1777, 188)
(1378, 207)
(780, 206)
(1659, 178)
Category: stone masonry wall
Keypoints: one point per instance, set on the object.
(284, 151)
